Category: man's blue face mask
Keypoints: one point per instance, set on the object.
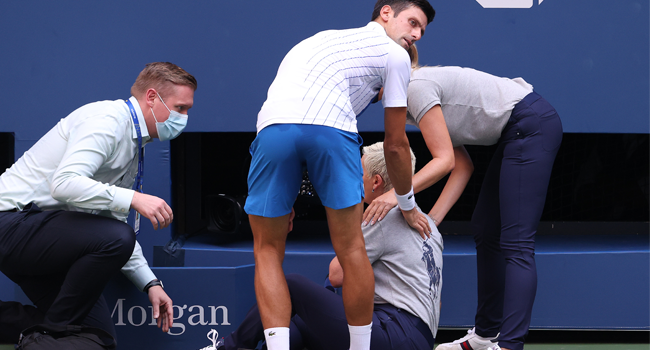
(173, 126)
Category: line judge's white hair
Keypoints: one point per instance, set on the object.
(375, 163)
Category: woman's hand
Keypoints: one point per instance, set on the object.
(379, 207)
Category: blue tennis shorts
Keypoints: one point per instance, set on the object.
(280, 154)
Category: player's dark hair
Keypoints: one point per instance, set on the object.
(401, 5)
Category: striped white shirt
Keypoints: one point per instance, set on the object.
(331, 77)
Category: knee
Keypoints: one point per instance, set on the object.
(521, 254)
(295, 279)
(480, 219)
(125, 239)
(296, 282)
(486, 232)
(486, 239)
(119, 238)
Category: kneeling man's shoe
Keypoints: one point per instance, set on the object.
(471, 341)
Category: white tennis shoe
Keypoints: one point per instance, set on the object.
(471, 341)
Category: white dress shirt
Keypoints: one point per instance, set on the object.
(86, 163)
(330, 78)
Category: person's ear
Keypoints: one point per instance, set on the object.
(150, 97)
(386, 12)
(377, 182)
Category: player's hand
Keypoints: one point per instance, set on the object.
(418, 221)
(379, 207)
(163, 308)
(154, 209)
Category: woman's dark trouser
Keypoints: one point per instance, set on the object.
(62, 261)
(506, 217)
(319, 323)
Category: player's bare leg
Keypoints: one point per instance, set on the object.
(358, 277)
(271, 289)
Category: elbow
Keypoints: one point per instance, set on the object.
(395, 148)
(465, 170)
(463, 161)
(467, 166)
(58, 189)
(449, 165)
(446, 162)
(470, 168)
(57, 193)
(336, 273)
(336, 280)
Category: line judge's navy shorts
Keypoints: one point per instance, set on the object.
(280, 154)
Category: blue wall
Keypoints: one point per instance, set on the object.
(588, 57)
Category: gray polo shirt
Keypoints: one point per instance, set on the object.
(476, 105)
(408, 269)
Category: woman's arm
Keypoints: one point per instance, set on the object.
(435, 133)
(454, 186)
(434, 130)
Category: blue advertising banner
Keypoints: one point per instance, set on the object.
(204, 299)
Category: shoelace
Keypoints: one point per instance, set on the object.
(470, 332)
(212, 336)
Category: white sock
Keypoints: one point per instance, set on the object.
(360, 337)
(277, 338)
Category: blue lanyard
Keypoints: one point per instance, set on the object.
(137, 185)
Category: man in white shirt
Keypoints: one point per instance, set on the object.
(408, 281)
(308, 122)
(64, 205)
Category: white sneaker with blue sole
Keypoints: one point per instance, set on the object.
(471, 341)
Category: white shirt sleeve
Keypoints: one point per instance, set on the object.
(90, 144)
(398, 74)
(137, 270)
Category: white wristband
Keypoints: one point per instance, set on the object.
(406, 201)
